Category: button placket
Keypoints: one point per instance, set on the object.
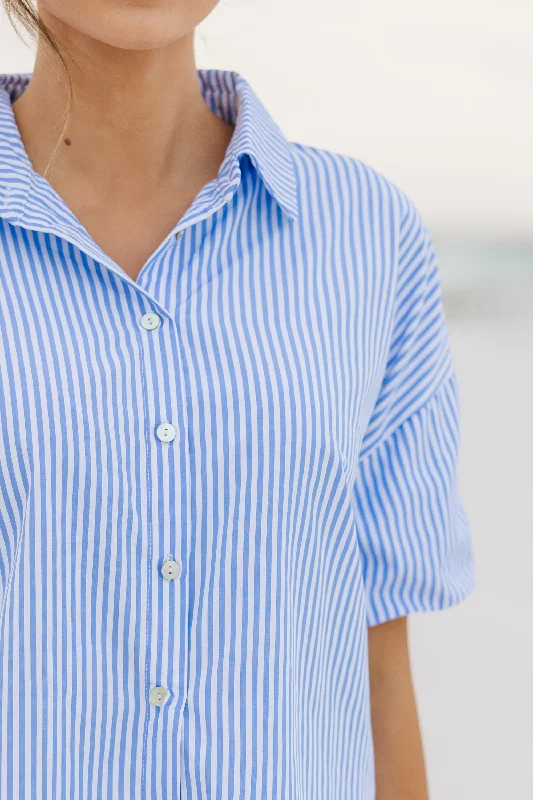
(167, 671)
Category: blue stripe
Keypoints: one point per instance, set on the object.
(311, 489)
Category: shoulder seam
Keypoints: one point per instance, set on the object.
(450, 378)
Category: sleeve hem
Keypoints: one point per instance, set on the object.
(387, 614)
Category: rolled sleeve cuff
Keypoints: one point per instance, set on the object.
(413, 532)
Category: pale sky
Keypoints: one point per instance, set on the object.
(438, 96)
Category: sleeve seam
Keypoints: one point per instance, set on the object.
(445, 382)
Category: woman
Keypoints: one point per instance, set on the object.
(229, 434)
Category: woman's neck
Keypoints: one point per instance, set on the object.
(138, 117)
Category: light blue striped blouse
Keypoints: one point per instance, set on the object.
(214, 478)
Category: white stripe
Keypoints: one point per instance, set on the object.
(311, 489)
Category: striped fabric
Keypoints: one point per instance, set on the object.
(310, 490)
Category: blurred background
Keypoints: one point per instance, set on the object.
(439, 98)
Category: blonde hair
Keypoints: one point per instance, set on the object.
(25, 18)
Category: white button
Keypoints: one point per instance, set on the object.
(166, 432)
(170, 570)
(158, 695)
(150, 321)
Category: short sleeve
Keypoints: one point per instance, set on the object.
(413, 530)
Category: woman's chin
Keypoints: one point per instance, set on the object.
(141, 29)
(125, 24)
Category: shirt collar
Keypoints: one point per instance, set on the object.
(256, 134)
(226, 93)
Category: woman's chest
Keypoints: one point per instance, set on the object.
(249, 367)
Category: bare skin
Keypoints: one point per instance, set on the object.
(142, 144)
(136, 161)
(399, 759)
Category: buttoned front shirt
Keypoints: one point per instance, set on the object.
(215, 477)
